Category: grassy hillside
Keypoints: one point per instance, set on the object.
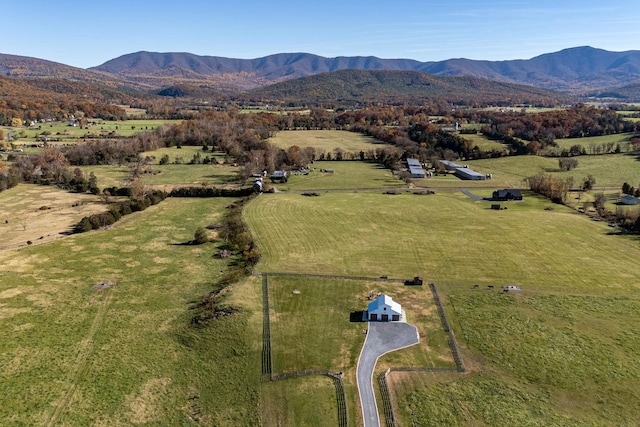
(126, 354)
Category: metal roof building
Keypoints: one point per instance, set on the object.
(415, 168)
(463, 172)
(384, 308)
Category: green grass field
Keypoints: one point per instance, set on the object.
(347, 175)
(67, 134)
(327, 140)
(483, 142)
(560, 353)
(168, 175)
(589, 142)
(610, 170)
(125, 355)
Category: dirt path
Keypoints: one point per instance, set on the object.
(80, 363)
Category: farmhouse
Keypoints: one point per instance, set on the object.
(629, 200)
(507, 194)
(384, 309)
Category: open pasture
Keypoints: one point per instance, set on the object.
(63, 132)
(124, 354)
(561, 352)
(484, 143)
(610, 170)
(168, 176)
(346, 175)
(41, 214)
(184, 154)
(589, 143)
(326, 140)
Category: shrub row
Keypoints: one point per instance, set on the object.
(117, 211)
(210, 192)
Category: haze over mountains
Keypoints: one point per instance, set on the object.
(581, 70)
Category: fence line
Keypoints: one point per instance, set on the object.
(267, 367)
(267, 364)
(453, 343)
(387, 406)
(331, 276)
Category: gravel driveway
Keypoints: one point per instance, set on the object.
(382, 337)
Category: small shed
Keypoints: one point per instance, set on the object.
(384, 309)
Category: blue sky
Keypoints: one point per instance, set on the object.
(88, 33)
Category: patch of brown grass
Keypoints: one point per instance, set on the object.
(40, 214)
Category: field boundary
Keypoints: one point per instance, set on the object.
(453, 343)
(387, 403)
(330, 276)
(267, 365)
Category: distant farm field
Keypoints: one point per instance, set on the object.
(344, 175)
(610, 170)
(327, 140)
(40, 214)
(589, 143)
(124, 353)
(484, 143)
(561, 352)
(62, 132)
(168, 175)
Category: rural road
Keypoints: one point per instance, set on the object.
(473, 196)
(382, 337)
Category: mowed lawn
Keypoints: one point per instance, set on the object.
(327, 140)
(562, 352)
(126, 354)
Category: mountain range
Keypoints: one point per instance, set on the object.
(580, 70)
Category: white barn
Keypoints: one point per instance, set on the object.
(384, 309)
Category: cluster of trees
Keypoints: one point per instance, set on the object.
(550, 187)
(118, 210)
(567, 163)
(47, 168)
(630, 190)
(545, 127)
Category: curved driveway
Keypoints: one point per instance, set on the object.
(382, 337)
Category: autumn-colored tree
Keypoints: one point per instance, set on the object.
(16, 121)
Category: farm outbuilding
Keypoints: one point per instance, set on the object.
(507, 194)
(629, 200)
(384, 309)
(470, 174)
(415, 168)
(463, 172)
